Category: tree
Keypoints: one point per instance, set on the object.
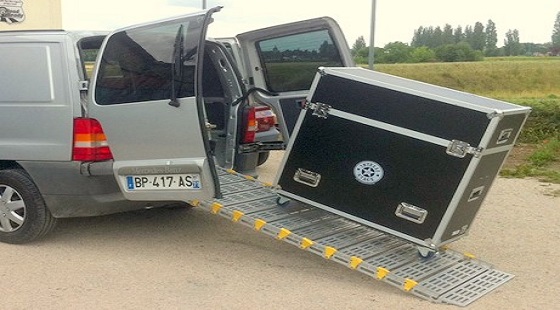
(397, 52)
(458, 34)
(437, 38)
(469, 34)
(418, 38)
(457, 52)
(556, 36)
(360, 50)
(535, 48)
(491, 35)
(358, 45)
(478, 41)
(512, 47)
(491, 39)
(447, 36)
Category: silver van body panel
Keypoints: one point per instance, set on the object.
(36, 93)
(68, 193)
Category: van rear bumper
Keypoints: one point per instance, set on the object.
(74, 189)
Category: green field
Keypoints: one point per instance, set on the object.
(505, 78)
(528, 81)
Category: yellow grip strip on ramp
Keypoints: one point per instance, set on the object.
(306, 243)
(409, 284)
(216, 207)
(259, 224)
(382, 273)
(237, 215)
(283, 234)
(329, 252)
(469, 255)
(250, 178)
(355, 262)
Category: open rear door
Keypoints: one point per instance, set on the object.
(284, 59)
(144, 94)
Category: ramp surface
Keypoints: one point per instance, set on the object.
(447, 277)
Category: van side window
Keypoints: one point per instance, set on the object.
(290, 62)
(136, 65)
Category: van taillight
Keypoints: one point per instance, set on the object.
(252, 126)
(266, 119)
(90, 143)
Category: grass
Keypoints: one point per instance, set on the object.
(528, 81)
(495, 78)
(542, 163)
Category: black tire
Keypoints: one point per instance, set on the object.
(24, 215)
(263, 157)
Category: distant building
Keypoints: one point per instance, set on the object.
(30, 14)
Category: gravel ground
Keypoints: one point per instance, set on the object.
(190, 259)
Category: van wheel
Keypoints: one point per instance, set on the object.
(23, 214)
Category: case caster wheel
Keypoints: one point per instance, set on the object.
(426, 253)
(282, 201)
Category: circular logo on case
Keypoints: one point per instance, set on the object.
(368, 172)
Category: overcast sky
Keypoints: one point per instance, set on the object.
(396, 20)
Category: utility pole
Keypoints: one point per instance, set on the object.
(204, 4)
(372, 35)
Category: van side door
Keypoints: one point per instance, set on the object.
(146, 95)
(284, 59)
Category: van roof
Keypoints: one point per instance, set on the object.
(54, 31)
(75, 35)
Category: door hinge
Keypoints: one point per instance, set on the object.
(461, 149)
(261, 147)
(320, 110)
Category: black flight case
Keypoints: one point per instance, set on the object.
(405, 157)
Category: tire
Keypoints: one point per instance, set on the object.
(263, 157)
(24, 216)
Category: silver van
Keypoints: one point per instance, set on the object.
(97, 123)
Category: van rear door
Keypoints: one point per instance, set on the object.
(284, 59)
(145, 93)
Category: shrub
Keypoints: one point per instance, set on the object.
(423, 54)
(457, 52)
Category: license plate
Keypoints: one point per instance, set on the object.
(163, 182)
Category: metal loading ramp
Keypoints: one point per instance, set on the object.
(448, 277)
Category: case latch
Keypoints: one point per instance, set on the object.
(321, 110)
(461, 149)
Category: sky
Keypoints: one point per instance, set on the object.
(395, 20)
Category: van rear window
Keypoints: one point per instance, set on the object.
(137, 65)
